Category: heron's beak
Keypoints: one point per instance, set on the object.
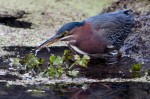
(54, 39)
(49, 42)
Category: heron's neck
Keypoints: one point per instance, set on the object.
(79, 34)
(82, 31)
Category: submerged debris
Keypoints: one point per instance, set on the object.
(46, 81)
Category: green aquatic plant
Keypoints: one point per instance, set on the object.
(64, 65)
(136, 74)
(136, 67)
(67, 56)
(32, 63)
(55, 68)
(82, 61)
(54, 72)
(58, 65)
(73, 73)
(15, 63)
(136, 70)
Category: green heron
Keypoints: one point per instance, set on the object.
(96, 35)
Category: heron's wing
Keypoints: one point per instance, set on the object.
(112, 27)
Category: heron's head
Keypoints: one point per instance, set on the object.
(62, 33)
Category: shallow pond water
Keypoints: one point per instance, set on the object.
(98, 81)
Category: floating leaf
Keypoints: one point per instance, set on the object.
(60, 70)
(85, 60)
(67, 55)
(50, 71)
(55, 71)
(86, 57)
(73, 73)
(33, 62)
(58, 61)
(52, 59)
(82, 61)
(77, 57)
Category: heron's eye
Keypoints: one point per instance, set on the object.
(66, 33)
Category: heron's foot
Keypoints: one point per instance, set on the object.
(112, 57)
